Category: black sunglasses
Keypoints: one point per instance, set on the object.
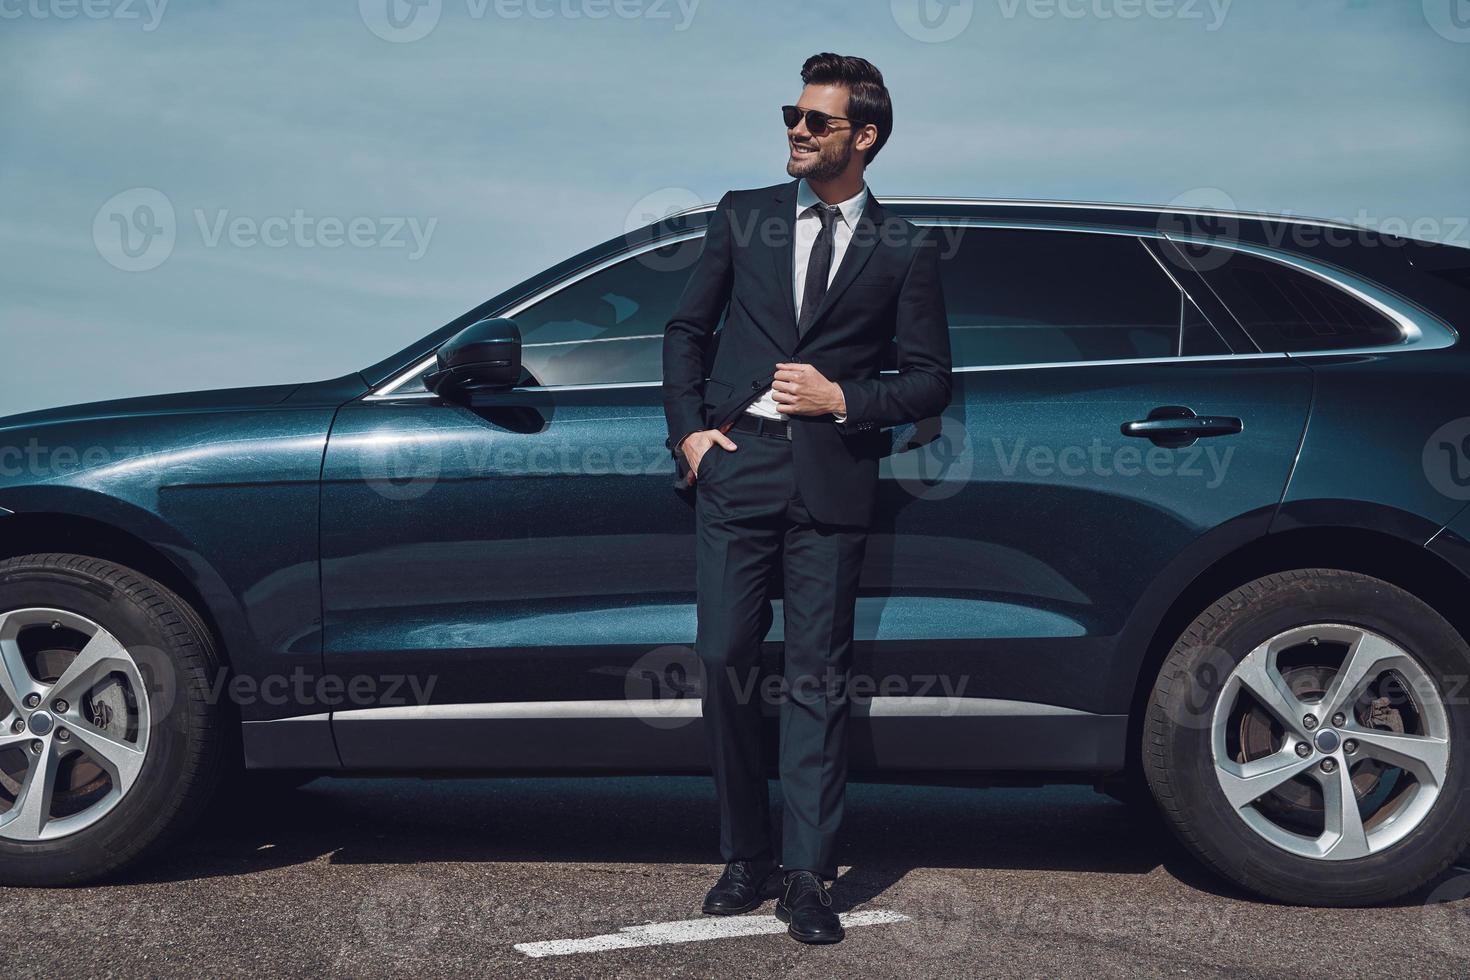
(817, 121)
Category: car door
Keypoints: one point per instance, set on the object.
(513, 563)
(551, 603)
(1015, 548)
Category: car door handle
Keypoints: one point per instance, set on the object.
(1200, 425)
(1175, 426)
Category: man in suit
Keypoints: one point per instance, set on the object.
(779, 444)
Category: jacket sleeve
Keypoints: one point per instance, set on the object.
(921, 389)
(688, 332)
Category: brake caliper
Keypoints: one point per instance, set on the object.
(1384, 716)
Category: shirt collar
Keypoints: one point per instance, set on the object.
(851, 209)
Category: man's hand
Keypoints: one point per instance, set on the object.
(800, 389)
(696, 444)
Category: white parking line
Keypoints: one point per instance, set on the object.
(691, 931)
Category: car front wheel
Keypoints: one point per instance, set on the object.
(1305, 738)
(109, 744)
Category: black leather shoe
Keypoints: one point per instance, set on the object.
(806, 908)
(740, 889)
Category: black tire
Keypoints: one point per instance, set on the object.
(1178, 760)
(183, 763)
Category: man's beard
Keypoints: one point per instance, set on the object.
(825, 166)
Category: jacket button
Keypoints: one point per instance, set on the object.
(755, 384)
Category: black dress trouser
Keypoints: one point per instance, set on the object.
(750, 517)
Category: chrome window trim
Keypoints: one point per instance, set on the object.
(1116, 362)
(408, 374)
(1168, 274)
(1124, 208)
(401, 379)
(643, 708)
(1421, 331)
(1293, 219)
(1031, 224)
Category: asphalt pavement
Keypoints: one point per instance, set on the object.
(603, 877)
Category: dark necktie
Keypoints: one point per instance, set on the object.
(817, 268)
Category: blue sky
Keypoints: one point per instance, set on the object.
(336, 194)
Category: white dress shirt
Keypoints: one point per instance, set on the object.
(808, 224)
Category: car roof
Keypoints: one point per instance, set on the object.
(1119, 214)
(1277, 231)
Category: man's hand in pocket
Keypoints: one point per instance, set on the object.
(696, 444)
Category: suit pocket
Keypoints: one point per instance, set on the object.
(705, 462)
(716, 392)
(873, 282)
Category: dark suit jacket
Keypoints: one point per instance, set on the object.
(886, 293)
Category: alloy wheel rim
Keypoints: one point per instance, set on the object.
(55, 724)
(1322, 740)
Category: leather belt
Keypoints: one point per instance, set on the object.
(774, 428)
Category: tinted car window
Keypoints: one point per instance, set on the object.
(605, 329)
(1017, 297)
(1285, 309)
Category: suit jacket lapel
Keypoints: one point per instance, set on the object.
(782, 222)
(859, 250)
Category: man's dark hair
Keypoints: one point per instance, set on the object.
(867, 98)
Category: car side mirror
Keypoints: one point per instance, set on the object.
(484, 356)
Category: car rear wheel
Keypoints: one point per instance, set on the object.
(109, 744)
(1304, 738)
